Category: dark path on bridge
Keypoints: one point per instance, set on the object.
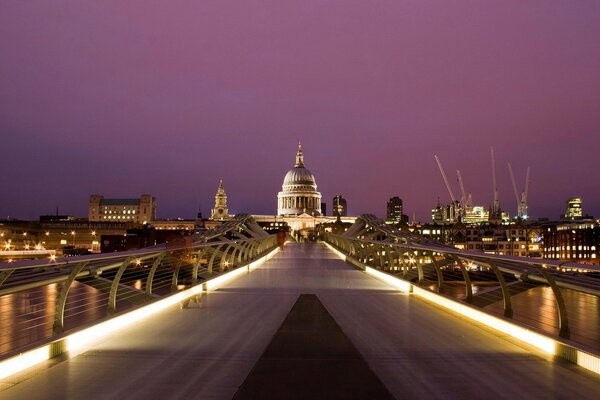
(415, 349)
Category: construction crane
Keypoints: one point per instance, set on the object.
(496, 203)
(523, 204)
(522, 200)
(445, 179)
(466, 200)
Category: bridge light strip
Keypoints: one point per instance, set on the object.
(586, 360)
(402, 285)
(542, 342)
(336, 251)
(76, 342)
(589, 361)
(25, 360)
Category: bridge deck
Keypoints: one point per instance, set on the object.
(416, 349)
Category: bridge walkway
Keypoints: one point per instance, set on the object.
(207, 352)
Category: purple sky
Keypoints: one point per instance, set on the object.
(166, 97)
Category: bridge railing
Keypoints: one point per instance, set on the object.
(555, 297)
(40, 299)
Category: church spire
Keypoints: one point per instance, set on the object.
(220, 212)
(299, 157)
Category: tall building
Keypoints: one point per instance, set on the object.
(142, 210)
(394, 209)
(299, 191)
(220, 212)
(574, 208)
(340, 206)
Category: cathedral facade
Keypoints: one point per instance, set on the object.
(299, 191)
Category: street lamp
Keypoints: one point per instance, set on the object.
(73, 233)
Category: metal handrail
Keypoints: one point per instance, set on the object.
(235, 244)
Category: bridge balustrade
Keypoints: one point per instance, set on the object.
(495, 283)
(42, 299)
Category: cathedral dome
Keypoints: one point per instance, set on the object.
(299, 176)
(299, 191)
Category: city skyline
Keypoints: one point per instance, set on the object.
(379, 209)
(120, 99)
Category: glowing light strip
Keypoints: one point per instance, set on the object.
(255, 264)
(22, 361)
(400, 284)
(591, 362)
(336, 251)
(75, 343)
(542, 342)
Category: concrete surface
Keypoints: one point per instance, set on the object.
(416, 349)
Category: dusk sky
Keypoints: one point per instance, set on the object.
(166, 97)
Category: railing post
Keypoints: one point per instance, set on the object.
(175, 276)
(224, 263)
(508, 312)
(112, 297)
(59, 315)
(150, 277)
(563, 320)
(466, 277)
(421, 278)
(438, 271)
(197, 265)
(212, 259)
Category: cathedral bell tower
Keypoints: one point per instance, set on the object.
(220, 212)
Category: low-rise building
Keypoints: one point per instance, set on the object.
(140, 211)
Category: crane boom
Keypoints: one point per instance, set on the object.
(496, 203)
(514, 184)
(445, 179)
(463, 199)
(526, 192)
